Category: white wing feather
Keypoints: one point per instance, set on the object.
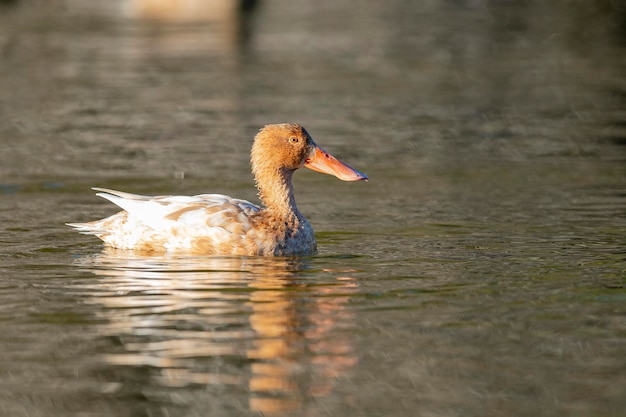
(154, 211)
(207, 215)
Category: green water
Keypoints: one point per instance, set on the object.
(480, 271)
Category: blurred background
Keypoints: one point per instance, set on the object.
(480, 271)
(170, 85)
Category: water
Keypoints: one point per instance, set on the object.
(480, 272)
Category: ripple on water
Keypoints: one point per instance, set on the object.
(263, 323)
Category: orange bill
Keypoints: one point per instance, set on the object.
(321, 161)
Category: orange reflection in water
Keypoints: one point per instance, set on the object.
(257, 323)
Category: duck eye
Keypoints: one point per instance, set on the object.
(294, 139)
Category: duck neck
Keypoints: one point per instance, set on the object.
(276, 192)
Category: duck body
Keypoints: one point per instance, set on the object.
(215, 224)
(202, 224)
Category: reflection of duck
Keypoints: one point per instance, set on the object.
(217, 224)
(248, 326)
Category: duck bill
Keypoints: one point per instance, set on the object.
(321, 161)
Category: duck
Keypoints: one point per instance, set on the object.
(216, 224)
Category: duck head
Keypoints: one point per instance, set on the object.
(287, 147)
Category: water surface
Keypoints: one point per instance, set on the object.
(480, 271)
